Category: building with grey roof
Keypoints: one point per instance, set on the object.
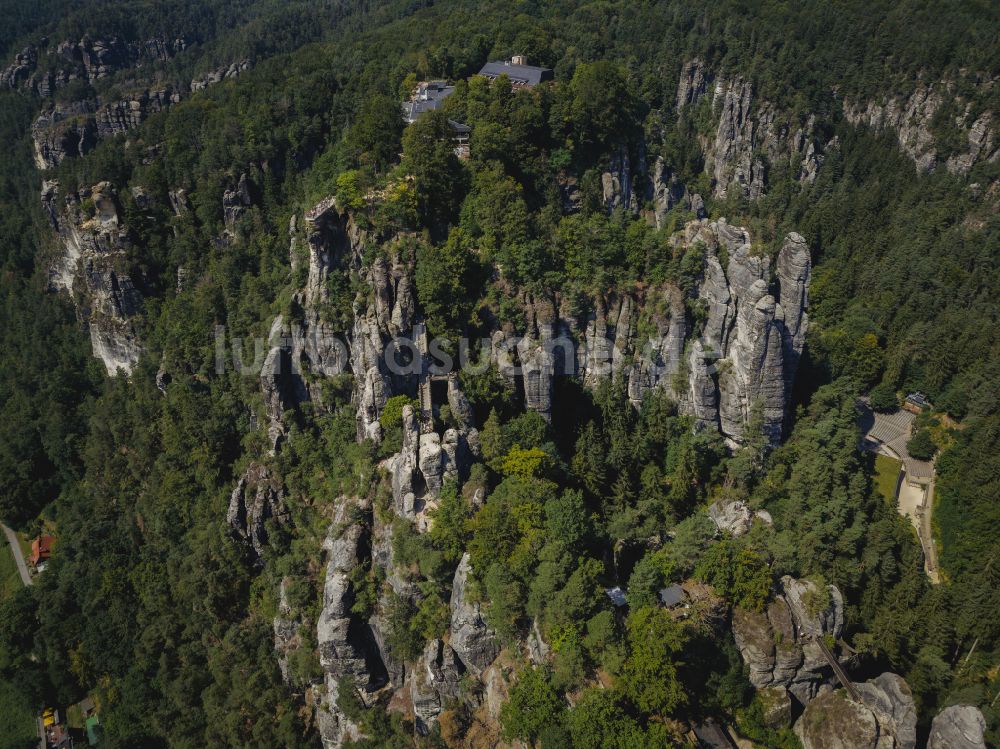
(517, 69)
(430, 95)
(672, 595)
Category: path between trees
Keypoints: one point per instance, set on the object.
(15, 549)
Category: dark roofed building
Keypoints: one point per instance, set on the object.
(672, 595)
(517, 69)
(430, 95)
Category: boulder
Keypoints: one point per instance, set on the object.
(958, 727)
(731, 516)
(889, 698)
(833, 721)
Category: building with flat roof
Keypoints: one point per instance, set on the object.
(517, 69)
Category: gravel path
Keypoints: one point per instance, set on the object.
(15, 549)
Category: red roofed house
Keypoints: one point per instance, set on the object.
(41, 549)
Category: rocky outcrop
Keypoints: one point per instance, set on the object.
(89, 59)
(890, 699)
(286, 633)
(958, 727)
(92, 266)
(885, 718)
(20, 68)
(834, 721)
(750, 137)
(910, 119)
(739, 361)
(777, 644)
(235, 202)
(668, 192)
(803, 598)
(776, 705)
(118, 117)
(63, 131)
(233, 70)
(473, 641)
(731, 161)
(616, 184)
(334, 728)
(732, 517)
(693, 84)
(346, 648)
(794, 270)
(434, 681)
(74, 129)
(257, 498)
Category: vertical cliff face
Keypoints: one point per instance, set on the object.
(724, 347)
(739, 359)
(66, 129)
(750, 135)
(92, 266)
(910, 119)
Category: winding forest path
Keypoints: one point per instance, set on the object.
(15, 549)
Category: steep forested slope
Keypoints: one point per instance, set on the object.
(304, 552)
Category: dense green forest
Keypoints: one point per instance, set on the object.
(153, 605)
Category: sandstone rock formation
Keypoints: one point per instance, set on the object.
(693, 84)
(751, 134)
(93, 266)
(777, 644)
(346, 649)
(434, 681)
(884, 719)
(74, 129)
(257, 498)
(834, 721)
(958, 727)
(742, 363)
(233, 70)
(88, 59)
(286, 632)
(776, 704)
(471, 638)
(909, 118)
(235, 202)
(890, 699)
(732, 517)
